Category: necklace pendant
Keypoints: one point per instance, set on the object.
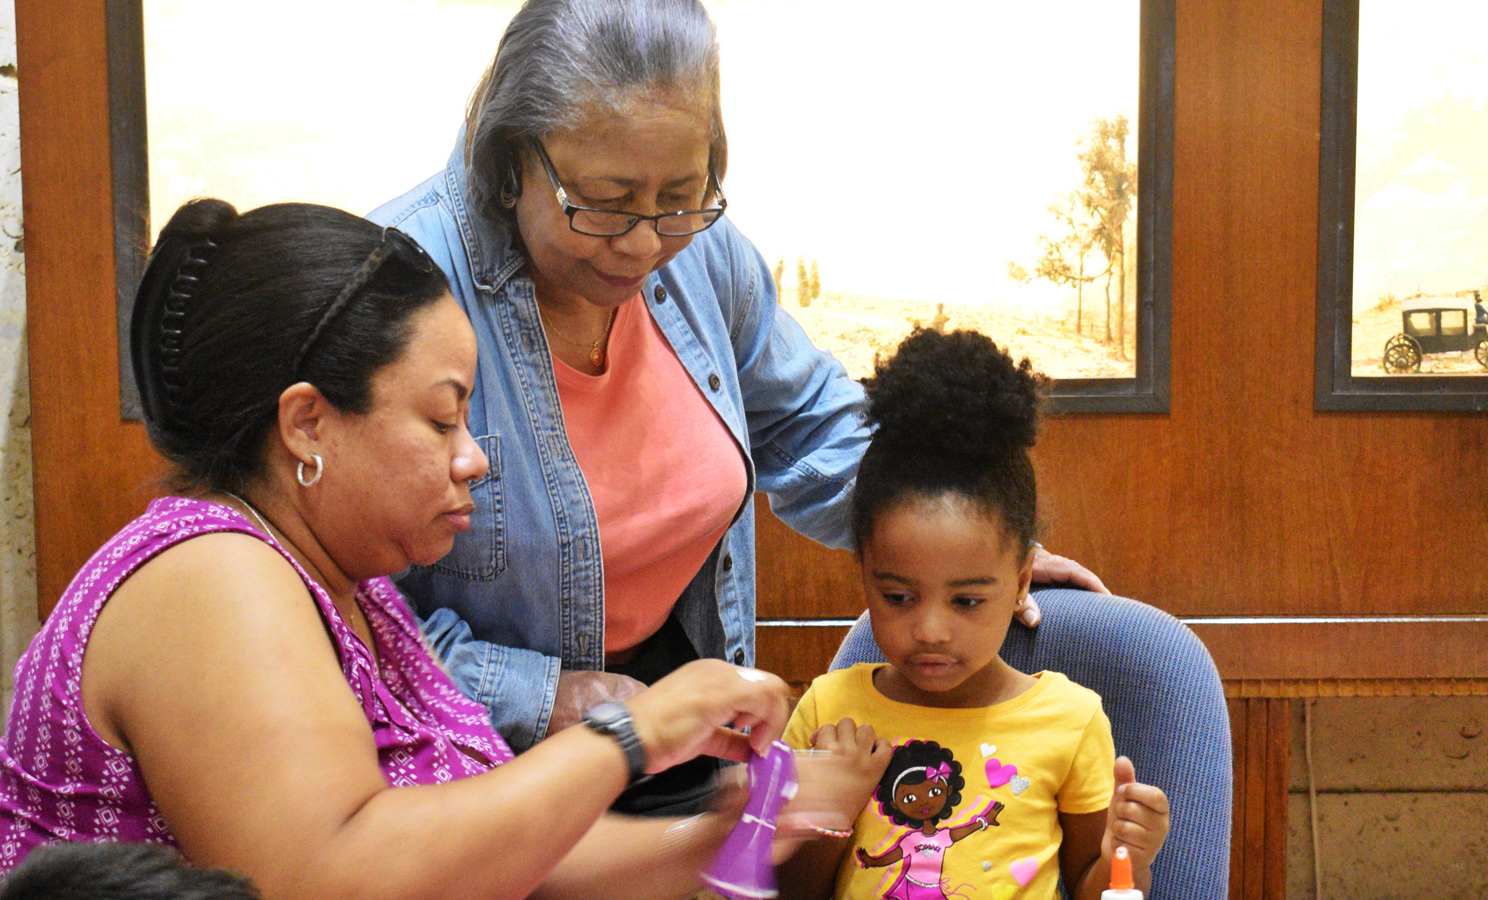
(597, 357)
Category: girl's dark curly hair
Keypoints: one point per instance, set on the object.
(952, 414)
(918, 755)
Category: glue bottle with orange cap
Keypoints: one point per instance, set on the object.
(1122, 886)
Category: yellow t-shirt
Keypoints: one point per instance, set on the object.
(1044, 752)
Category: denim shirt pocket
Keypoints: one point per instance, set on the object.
(480, 553)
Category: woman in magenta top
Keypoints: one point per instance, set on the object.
(233, 674)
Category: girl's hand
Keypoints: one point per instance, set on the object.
(858, 755)
(699, 710)
(836, 777)
(1137, 818)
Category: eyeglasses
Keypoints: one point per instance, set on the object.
(394, 245)
(613, 223)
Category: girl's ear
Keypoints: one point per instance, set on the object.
(1025, 579)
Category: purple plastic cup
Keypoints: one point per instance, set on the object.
(741, 870)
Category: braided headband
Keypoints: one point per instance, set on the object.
(393, 245)
(171, 278)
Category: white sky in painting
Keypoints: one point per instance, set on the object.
(1421, 207)
(911, 147)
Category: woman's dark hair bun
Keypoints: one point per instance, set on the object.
(162, 299)
(956, 393)
(198, 218)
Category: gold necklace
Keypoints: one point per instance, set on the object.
(596, 349)
(356, 607)
(254, 510)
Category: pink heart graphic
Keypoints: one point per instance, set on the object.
(1024, 870)
(999, 774)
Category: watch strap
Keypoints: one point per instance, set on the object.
(614, 720)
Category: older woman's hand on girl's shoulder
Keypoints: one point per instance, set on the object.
(702, 708)
(1137, 818)
(1049, 568)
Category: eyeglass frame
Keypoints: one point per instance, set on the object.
(393, 244)
(570, 208)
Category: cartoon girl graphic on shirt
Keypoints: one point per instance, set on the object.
(921, 786)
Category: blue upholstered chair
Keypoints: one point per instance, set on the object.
(1167, 709)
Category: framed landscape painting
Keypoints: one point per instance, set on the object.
(950, 164)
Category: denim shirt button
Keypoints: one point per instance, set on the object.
(728, 563)
(660, 294)
(738, 657)
(714, 382)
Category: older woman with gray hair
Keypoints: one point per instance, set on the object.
(638, 381)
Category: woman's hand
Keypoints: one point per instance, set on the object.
(700, 709)
(580, 691)
(1051, 569)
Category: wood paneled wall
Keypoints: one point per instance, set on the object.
(1243, 500)
(1262, 729)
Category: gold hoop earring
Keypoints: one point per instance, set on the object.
(319, 469)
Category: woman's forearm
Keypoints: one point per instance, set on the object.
(500, 834)
(625, 858)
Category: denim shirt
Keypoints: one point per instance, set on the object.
(521, 595)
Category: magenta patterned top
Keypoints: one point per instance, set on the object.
(60, 781)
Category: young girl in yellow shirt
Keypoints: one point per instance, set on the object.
(995, 783)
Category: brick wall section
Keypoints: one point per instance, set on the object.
(1402, 792)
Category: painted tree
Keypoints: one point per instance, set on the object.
(1092, 220)
(1063, 258)
(815, 282)
(1109, 195)
(778, 271)
(803, 282)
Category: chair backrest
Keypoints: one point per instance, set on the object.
(1162, 693)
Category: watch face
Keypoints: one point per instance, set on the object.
(613, 719)
(607, 714)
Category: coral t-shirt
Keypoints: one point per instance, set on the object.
(666, 475)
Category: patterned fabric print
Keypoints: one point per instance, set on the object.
(60, 781)
(412, 694)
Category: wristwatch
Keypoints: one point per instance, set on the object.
(613, 719)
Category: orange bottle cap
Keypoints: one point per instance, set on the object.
(1121, 873)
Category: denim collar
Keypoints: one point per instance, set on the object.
(494, 257)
